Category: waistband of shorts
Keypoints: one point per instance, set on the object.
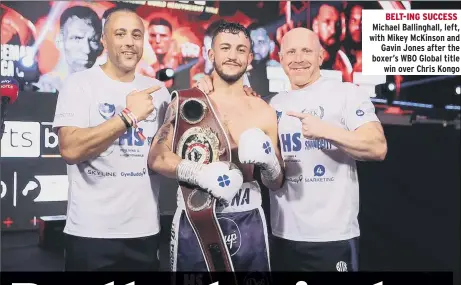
(247, 198)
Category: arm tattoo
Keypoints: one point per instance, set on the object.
(163, 133)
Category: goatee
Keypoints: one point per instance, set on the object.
(230, 79)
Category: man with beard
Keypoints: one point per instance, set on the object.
(325, 125)
(353, 42)
(105, 118)
(205, 65)
(263, 47)
(80, 34)
(327, 25)
(252, 128)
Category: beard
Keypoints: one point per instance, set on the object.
(230, 79)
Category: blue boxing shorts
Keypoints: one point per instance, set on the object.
(244, 228)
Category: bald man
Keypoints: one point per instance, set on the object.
(324, 126)
(105, 128)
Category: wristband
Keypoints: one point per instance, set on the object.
(131, 116)
(134, 121)
(127, 124)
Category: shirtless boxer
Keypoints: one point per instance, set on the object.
(252, 127)
(325, 125)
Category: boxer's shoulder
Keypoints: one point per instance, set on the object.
(256, 102)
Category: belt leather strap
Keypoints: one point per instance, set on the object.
(200, 137)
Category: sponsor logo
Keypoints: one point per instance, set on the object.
(257, 278)
(29, 139)
(64, 115)
(291, 142)
(365, 107)
(94, 172)
(294, 143)
(319, 170)
(21, 139)
(319, 173)
(131, 143)
(106, 110)
(341, 266)
(295, 179)
(319, 112)
(39, 188)
(319, 144)
(50, 188)
(134, 174)
(232, 235)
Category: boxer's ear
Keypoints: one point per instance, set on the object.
(211, 54)
(321, 55)
(250, 57)
(103, 41)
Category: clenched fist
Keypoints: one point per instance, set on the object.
(140, 103)
(312, 127)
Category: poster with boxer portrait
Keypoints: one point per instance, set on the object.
(42, 42)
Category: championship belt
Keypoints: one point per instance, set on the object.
(200, 137)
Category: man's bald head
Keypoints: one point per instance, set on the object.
(124, 39)
(301, 35)
(301, 56)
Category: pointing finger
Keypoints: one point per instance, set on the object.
(133, 91)
(297, 115)
(151, 89)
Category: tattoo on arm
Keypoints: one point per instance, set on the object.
(163, 133)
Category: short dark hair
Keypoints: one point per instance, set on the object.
(112, 10)
(212, 27)
(84, 13)
(108, 13)
(160, 22)
(233, 28)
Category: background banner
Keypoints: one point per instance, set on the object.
(42, 42)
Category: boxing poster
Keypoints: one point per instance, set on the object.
(42, 42)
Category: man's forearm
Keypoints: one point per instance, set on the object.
(164, 162)
(366, 145)
(86, 143)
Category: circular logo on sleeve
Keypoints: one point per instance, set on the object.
(106, 110)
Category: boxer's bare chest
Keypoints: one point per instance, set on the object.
(238, 116)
